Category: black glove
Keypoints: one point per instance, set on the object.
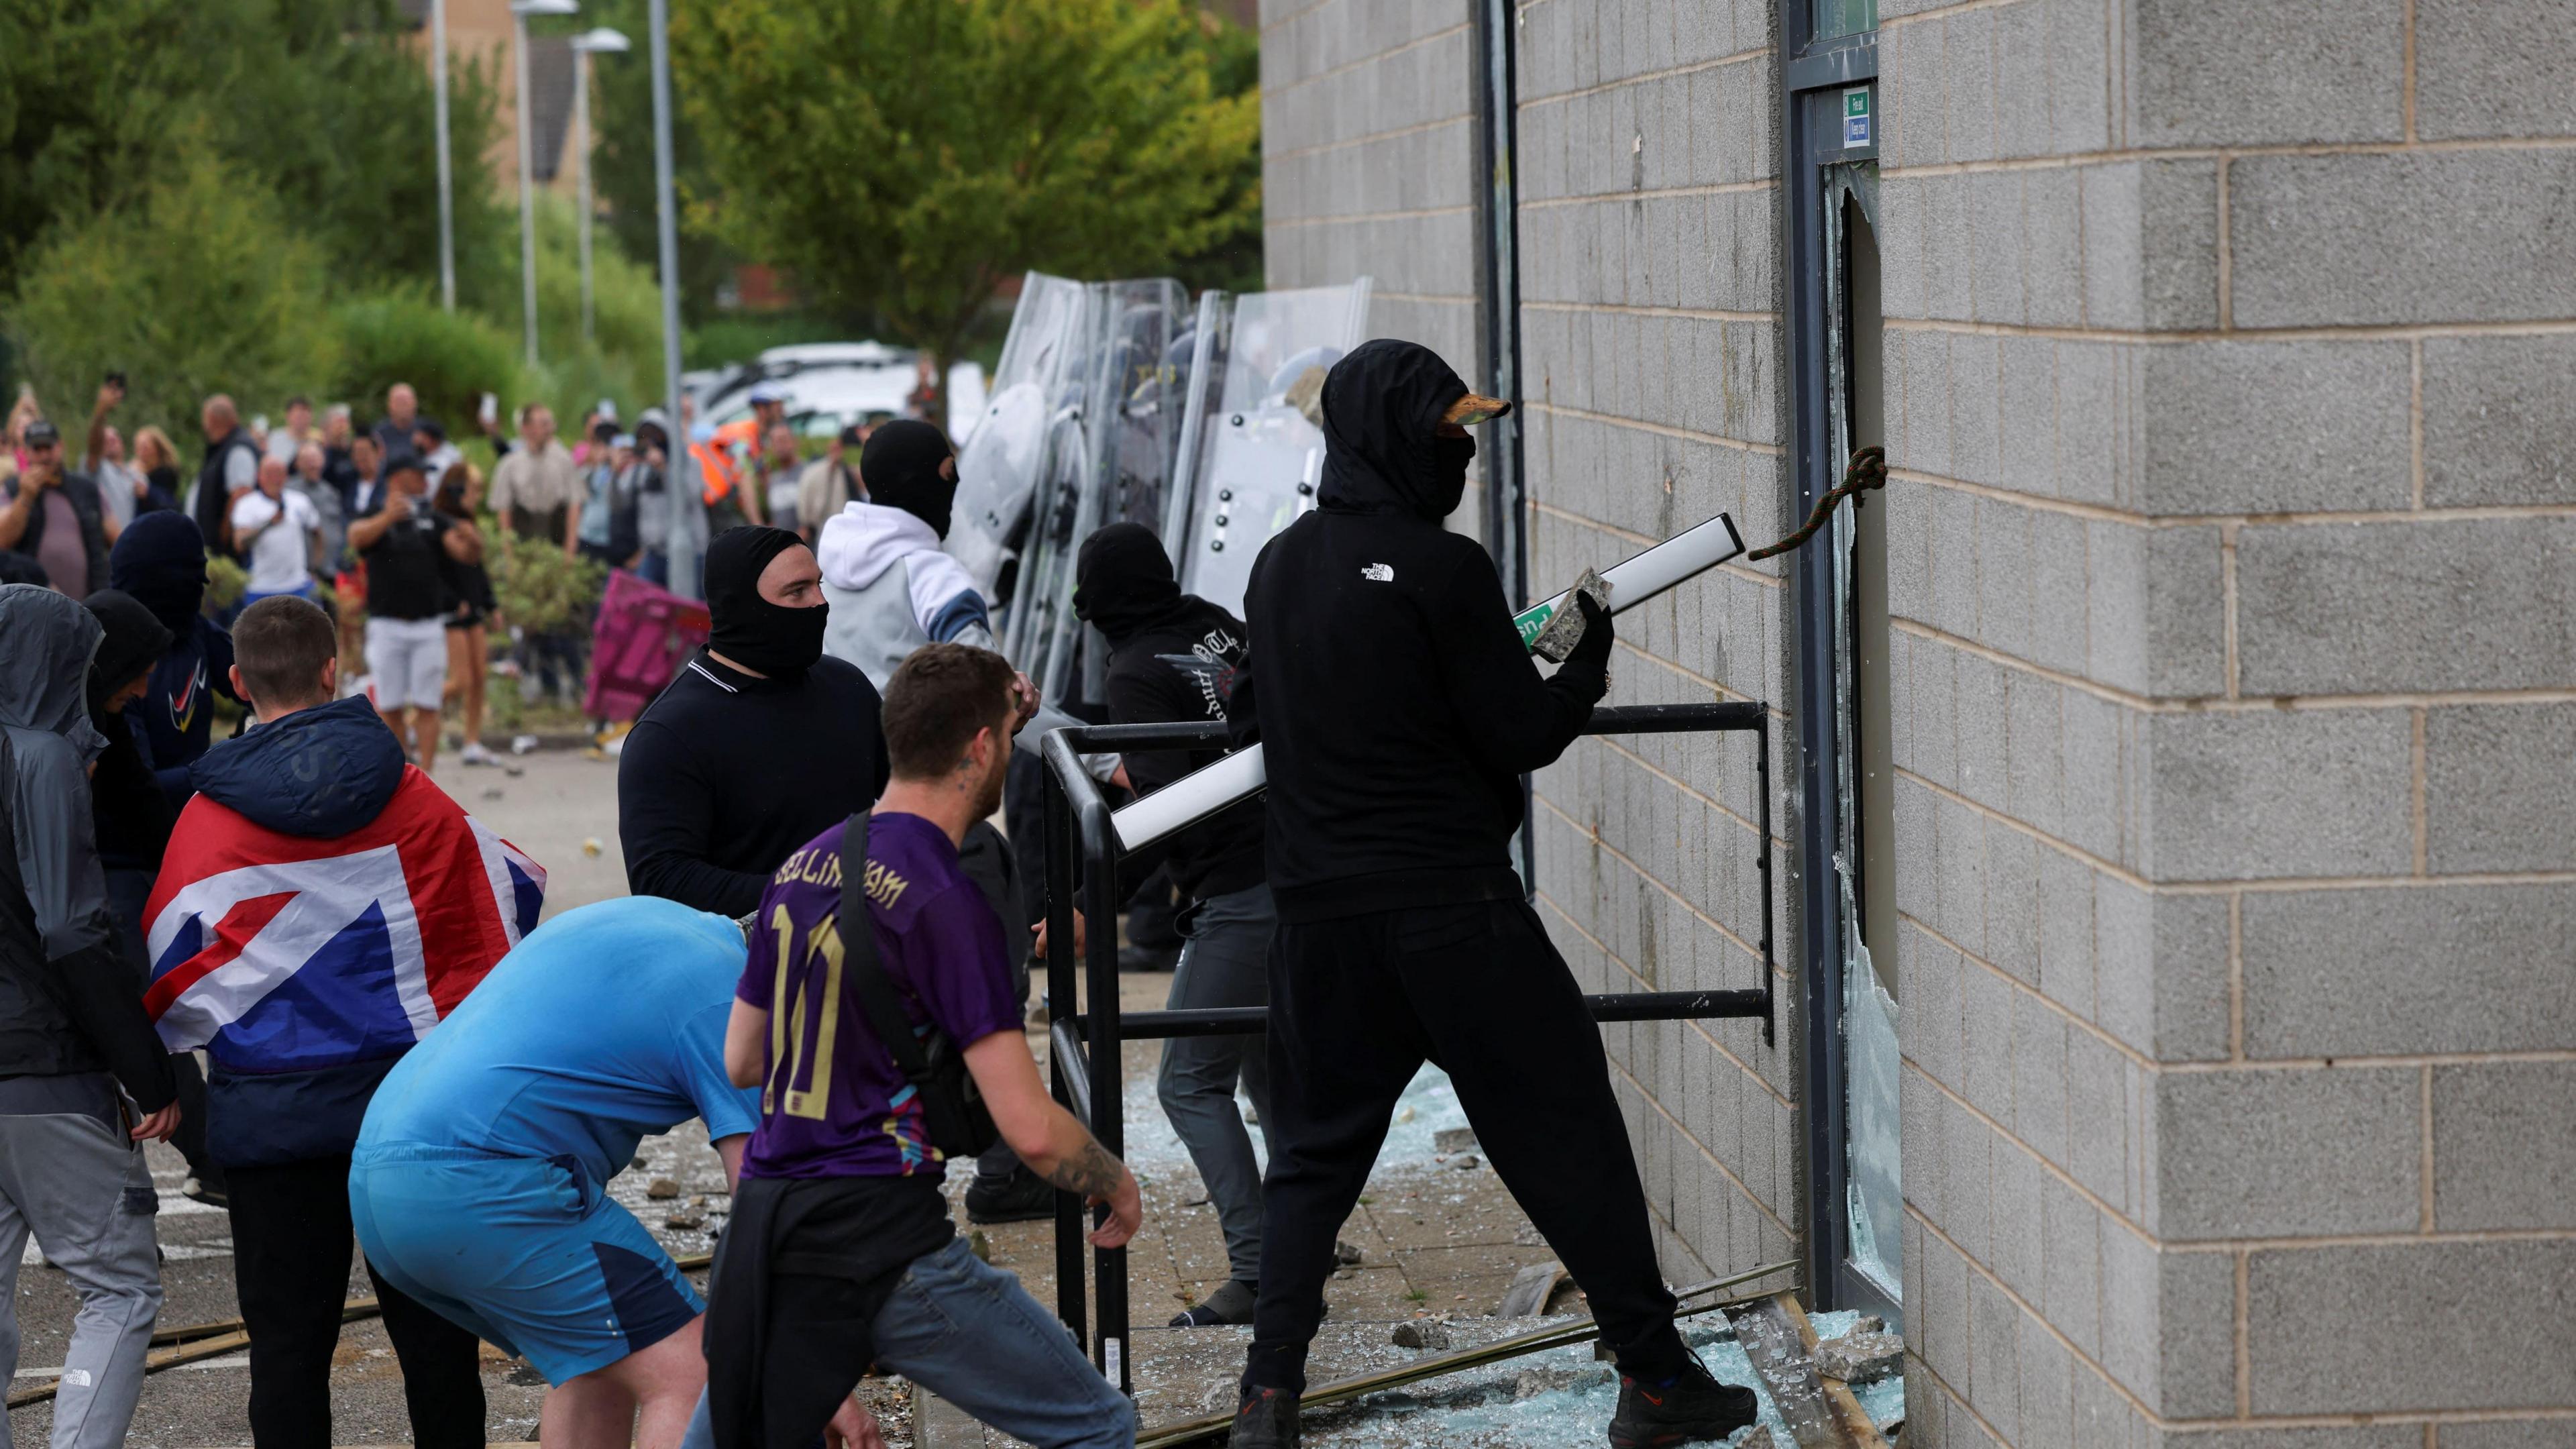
(1593, 649)
(1586, 669)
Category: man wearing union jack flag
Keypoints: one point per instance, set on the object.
(321, 907)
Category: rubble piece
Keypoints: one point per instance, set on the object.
(1531, 1288)
(590, 847)
(685, 1221)
(1757, 1437)
(1466, 1164)
(661, 1189)
(491, 792)
(1532, 1382)
(1867, 1323)
(1423, 1333)
(1861, 1358)
(1344, 1253)
(1564, 628)
(1453, 1139)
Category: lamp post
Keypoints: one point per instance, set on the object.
(602, 41)
(688, 509)
(446, 178)
(520, 10)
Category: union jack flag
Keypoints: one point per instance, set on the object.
(282, 952)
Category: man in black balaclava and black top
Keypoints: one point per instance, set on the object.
(758, 745)
(1173, 656)
(1397, 710)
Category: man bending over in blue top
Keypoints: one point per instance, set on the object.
(479, 1184)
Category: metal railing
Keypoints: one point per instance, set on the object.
(1086, 1065)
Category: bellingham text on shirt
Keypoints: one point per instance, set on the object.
(823, 868)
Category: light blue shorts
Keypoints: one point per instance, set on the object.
(526, 1253)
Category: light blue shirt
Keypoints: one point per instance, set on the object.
(605, 1025)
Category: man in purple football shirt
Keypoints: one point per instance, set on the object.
(840, 1253)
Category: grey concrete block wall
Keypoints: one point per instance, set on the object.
(2230, 370)
(2236, 528)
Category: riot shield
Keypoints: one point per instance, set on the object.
(1254, 449)
(1112, 461)
(1009, 454)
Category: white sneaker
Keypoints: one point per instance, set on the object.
(475, 754)
(521, 744)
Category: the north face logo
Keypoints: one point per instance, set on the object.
(1378, 573)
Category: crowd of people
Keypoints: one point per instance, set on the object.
(402, 1058)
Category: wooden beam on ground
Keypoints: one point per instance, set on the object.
(1820, 1412)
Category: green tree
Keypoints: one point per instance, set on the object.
(324, 104)
(197, 286)
(906, 156)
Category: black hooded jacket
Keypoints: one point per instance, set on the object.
(132, 815)
(1396, 706)
(1172, 657)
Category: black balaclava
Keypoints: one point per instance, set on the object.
(161, 560)
(135, 641)
(900, 466)
(1383, 452)
(748, 629)
(1123, 583)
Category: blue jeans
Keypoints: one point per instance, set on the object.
(971, 1334)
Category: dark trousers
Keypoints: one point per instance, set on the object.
(291, 1246)
(1356, 1006)
(127, 893)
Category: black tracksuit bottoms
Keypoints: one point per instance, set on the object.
(291, 1243)
(1357, 1004)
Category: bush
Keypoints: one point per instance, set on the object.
(539, 590)
(450, 358)
(197, 286)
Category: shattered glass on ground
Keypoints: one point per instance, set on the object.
(1548, 1400)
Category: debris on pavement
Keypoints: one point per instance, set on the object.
(1861, 1358)
(1424, 1333)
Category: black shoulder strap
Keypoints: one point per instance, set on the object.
(859, 964)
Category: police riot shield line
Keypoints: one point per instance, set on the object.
(1254, 442)
(1116, 456)
(1117, 401)
(1010, 453)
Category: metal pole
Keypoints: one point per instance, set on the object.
(685, 503)
(446, 176)
(527, 200)
(581, 147)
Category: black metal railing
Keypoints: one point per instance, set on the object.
(1086, 1067)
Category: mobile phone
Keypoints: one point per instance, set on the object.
(490, 408)
(259, 423)
(115, 379)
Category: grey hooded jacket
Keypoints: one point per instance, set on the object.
(73, 1007)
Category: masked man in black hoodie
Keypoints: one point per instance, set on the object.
(1173, 656)
(759, 744)
(1397, 709)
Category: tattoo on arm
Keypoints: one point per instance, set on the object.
(1090, 1172)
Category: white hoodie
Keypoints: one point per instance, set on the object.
(892, 589)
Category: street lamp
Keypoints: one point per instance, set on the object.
(446, 178)
(602, 41)
(520, 10)
(688, 507)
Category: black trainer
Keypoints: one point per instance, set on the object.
(1023, 1197)
(1266, 1419)
(1690, 1408)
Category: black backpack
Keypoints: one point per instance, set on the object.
(953, 1114)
